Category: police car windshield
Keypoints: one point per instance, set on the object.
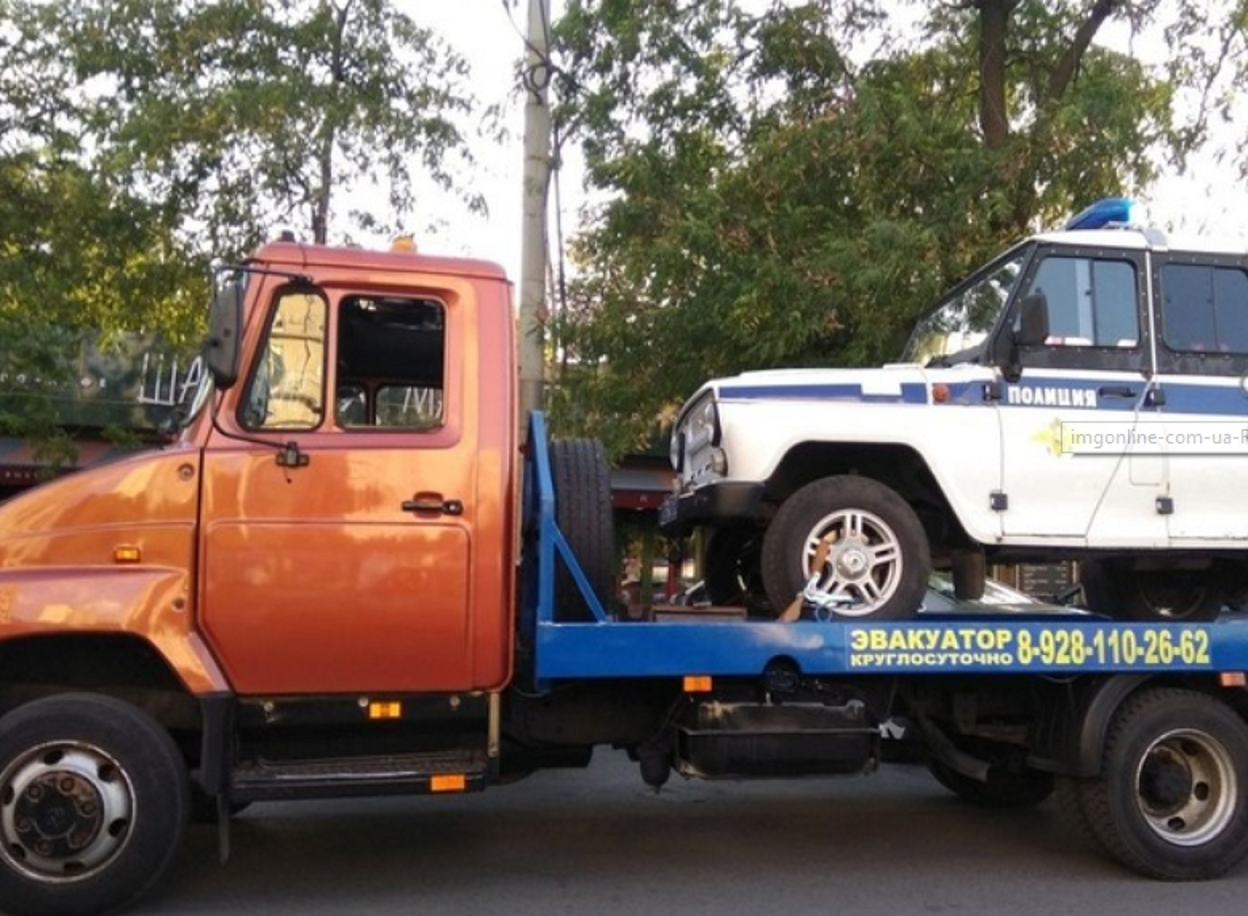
(955, 328)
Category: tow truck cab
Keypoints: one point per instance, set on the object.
(341, 520)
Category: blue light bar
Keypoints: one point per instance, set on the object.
(1104, 212)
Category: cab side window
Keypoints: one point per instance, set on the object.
(1091, 302)
(391, 363)
(1204, 308)
(286, 388)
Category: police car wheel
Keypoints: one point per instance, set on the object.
(1117, 590)
(856, 540)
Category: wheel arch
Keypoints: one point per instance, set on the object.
(895, 465)
(120, 665)
(1079, 731)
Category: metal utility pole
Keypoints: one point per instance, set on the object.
(533, 236)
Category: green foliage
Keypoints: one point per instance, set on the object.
(245, 114)
(141, 138)
(77, 255)
(791, 187)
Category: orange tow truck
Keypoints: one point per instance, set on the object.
(349, 576)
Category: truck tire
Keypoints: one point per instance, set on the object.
(1002, 789)
(877, 554)
(1115, 589)
(582, 479)
(733, 568)
(1170, 798)
(94, 798)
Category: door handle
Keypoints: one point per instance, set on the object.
(1116, 391)
(433, 503)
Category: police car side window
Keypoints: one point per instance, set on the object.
(1204, 308)
(1091, 302)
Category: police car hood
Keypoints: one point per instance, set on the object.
(905, 382)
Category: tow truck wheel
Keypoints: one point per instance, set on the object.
(93, 805)
(874, 551)
(1170, 801)
(1150, 595)
(582, 479)
(1002, 789)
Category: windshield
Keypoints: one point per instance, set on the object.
(203, 394)
(953, 331)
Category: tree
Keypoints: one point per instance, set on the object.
(78, 252)
(141, 138)
(790, 187)
(241, 114)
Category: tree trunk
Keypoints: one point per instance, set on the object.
(1068, 65)
(320, 204)
(994, 118)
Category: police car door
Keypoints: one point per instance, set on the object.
(1094, 365)
(1202, 354)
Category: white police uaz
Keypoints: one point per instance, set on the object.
(1049, 407)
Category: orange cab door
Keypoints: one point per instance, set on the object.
(341, 562)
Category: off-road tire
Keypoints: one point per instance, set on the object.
(821, 508)
(1113, 588)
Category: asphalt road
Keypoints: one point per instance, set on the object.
(599, 842)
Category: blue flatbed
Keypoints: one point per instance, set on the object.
(1053, 642)
(1061, 645)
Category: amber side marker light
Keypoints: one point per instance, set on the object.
(1232, 679)
(388, 710)
(448, 782)
(127, 553)
(940, 393)
(698, 683)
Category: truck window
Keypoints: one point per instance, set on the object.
(286, 387)
(1091, 302)
(391, 360)
(1204, 308)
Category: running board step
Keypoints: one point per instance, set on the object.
(443, 771)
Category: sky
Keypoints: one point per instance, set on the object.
(1211, 198)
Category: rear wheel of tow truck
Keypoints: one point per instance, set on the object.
(93, 805)
(582, 479)
(1002, 789)
(1170, 801)
(1115, 589)
(734, 568)
(873, 549)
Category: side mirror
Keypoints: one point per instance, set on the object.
(225, 321)
(1032, 330)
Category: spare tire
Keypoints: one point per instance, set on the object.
(582, 479)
